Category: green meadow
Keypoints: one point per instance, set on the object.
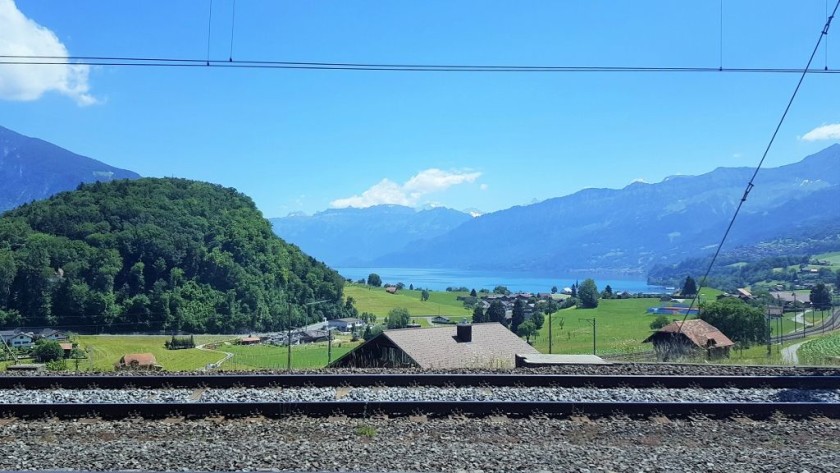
(620, 327)
(376, 301)
(271, 357)
(103, 351)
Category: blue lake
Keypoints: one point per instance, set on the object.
(440, 279)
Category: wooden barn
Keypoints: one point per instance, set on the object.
(690, 339)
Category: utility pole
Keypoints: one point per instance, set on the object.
(289, 337)
(594, 332)
(549, 332)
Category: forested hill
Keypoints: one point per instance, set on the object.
(33, 169)
(155, 254)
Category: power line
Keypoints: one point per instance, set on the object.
(122, 61)
(751, 183)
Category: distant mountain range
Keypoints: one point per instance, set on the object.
(625, 230)
(33, 169)
(355, 237)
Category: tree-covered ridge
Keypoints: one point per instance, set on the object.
(155, 254)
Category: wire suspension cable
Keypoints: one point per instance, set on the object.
(751, 182)
(263, 64)
(209, 31)
(232, 25)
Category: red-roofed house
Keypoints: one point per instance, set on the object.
(691, 338)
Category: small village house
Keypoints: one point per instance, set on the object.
(486, 345)
(17, 338)
(690, 339)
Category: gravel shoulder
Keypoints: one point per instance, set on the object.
(306, 444)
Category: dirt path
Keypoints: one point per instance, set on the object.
(217, 364)
(789, 354)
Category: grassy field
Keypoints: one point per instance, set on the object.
(376, 301)
(621, 325)
(105, 350)
(833, 258)
(271, 357)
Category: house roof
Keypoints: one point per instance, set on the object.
(492, 344)
(787, 296)
(348, 320)
(141, 359)
(249, 339)
(698, 331)
(66, 346)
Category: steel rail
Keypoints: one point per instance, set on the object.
(426, 408)
(408, 380)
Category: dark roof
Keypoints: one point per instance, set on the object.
(492, 345)
(348, 320)
(700, 332)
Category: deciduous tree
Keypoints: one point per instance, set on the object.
(737, 320)
(398, 317)
(374, 280)
(526, 329)
(588, 294)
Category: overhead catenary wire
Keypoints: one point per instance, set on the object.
(751, 182)
(123, 61)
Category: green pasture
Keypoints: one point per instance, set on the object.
(273, 357)
(103, 351)
(376, 301)
(833, 258)
(621, 325)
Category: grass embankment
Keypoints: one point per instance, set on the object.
(376, 301)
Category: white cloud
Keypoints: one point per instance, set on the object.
(825, 132)
(484, 187)
(20, 36)
(409, 193)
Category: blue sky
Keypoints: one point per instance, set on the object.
(298, 140)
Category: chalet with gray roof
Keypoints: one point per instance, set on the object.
(487, 345)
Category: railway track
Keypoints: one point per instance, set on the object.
(428, 395)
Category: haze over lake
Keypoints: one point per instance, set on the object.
(440, 279)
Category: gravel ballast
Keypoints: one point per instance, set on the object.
(404, 444)
(429, 394)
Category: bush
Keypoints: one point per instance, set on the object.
(660, 322)
(47, 350)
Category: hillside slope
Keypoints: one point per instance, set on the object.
(352, 237)
(634, 228)
(33, 169)
(155, 254)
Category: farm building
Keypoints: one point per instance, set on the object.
(138, 361)
(487, 345)
(346, 324)
(691, 338)
(249, 340)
